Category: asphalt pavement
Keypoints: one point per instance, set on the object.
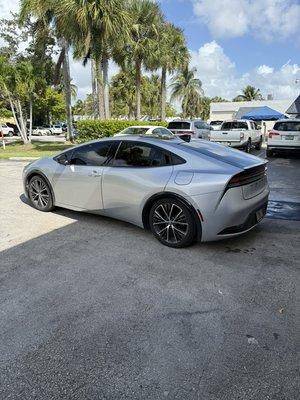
(93, 308)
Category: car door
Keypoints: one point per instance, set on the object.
(78, 177)
(138, 171)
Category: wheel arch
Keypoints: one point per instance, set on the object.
(149, 203)
(37, 172)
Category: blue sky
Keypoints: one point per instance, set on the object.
(232, 43)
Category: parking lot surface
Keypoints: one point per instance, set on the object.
(93, 308)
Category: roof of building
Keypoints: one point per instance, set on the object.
(294, 107)
(233, 106)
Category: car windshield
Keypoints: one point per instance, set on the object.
(134, 131)
(287, 126)
(179, 125)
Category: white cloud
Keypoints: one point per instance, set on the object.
(220, 77)
(266, 19)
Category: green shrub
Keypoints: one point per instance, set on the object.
(96, 129)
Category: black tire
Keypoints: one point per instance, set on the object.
(10, 134)
(172, 223)
(258, 145)
(248, 146)
(39, 194)
(269, 153)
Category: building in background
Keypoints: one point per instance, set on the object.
(235, 110)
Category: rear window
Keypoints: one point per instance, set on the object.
(216, 123)
(179, 125)
(287, 126)
(234, 125)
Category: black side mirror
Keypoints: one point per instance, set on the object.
(62, 159)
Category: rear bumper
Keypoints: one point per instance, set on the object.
(230, 214)
(283, 147)
(236, 145)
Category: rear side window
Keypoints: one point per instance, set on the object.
(95, 154)
(200, 125)
(287, 126)
(179, 125)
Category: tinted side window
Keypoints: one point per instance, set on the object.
(95, 154)
(200, 125)
(287, 126)
(135, 154)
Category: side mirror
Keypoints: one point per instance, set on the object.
(62, 159)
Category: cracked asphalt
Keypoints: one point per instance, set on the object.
(92, 308)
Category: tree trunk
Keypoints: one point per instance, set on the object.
(100, 92)
(30, 118)
(22, 123)
(163, 93)
(106, 86)
(138, 89)
(67, 88)
(94, 89)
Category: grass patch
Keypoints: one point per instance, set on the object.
(35, 149)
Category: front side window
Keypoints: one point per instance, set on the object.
(95, 154)
(135, 154)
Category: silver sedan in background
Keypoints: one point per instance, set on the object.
(181, 191)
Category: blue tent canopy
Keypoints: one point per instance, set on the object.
(264, 113)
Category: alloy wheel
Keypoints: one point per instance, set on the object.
(170, 223)
(39, 193)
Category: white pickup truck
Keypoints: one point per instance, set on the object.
(241, 134)
(6, 130)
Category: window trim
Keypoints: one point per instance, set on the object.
(167, 152)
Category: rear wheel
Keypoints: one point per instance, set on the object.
(39, 194)
(269, 153)
(10, 134)
(258, 145)
(172, 223)
(248, 146)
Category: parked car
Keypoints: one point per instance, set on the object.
(215, 125)
(285, 136)
(188, 129)
(241, 134)
(6, 130)
(40, 131)
(145, 130)
(181, 191)
(57, 130)
(49, 128)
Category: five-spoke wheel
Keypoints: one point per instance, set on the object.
(172, 223)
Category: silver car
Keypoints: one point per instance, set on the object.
(181, 191)
(187, 129)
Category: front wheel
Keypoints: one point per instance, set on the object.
(172, 223)
(39, 194)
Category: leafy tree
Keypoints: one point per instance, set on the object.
(188, 89)
(145, 20)
(249, 93)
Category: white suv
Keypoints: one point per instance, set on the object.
(6, 130)
(284, 136)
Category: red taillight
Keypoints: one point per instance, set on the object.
(272, 133)
(246, 177)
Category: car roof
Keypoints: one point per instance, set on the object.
(145, 126)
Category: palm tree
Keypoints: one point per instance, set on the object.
(98, 23)
(145, 20)
(249, 93)
(188, 89)
(172, 54)
(48, 13)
